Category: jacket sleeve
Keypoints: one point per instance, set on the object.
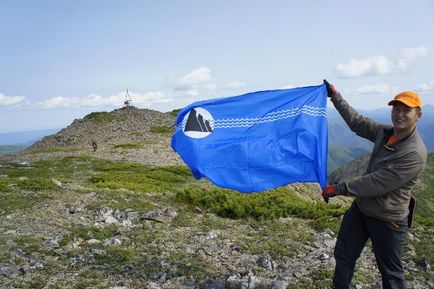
(362, 126)
(386, 179)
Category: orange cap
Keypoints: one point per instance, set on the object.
(409, 98)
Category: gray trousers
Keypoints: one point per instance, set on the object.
(387, 239)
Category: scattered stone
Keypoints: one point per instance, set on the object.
(98, 252)
(233, 281)
(208, 236)
(324, 256)
(110, 220)
(31, 266)
(57, 183)
(112, 242)
(163, 216)
(76, 243)
(251, 283)
(425, 264)
(215, 284)
(265, 262)
(152, 285)
(7, 272)
(279, 284)
(93, 241)
(329, 243)
(51, 243)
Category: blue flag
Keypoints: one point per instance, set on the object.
(256, 141)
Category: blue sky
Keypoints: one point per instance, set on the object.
(60, 60)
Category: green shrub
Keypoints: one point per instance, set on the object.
(36, 184)
(175, 112)
(280, 202)
(138, 177)
(4, 185)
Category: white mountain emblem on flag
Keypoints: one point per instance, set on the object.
(198, 123)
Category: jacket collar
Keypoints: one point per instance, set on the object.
(388, 132)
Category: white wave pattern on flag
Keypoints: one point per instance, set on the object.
(269, 117)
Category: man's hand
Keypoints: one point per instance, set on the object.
(329, 192)
(331, 90)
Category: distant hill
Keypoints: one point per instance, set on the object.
(341, 136)
(339, 156)
(25, 138)
(11, 149)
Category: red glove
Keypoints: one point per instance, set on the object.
(329, 192)
(331, 90)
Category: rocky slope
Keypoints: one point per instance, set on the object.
(128, 133)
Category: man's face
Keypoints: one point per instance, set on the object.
(404, 118)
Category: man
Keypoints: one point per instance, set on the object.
(380, 211)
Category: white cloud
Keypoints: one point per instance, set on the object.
(410, 55)
(192, 92)
(147, 99)
(373, 88)
(381, 65)
(426, 86)
(199, 75)
(236, 84)
(374, 65)
(11, 100)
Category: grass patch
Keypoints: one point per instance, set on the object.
(87, 233)
(128, 146)
(117, 256)
(4, 251)
(100, 117)
(54, 150)
(183, 264)
(326, 222)
(162, 129)
(277, 238)
(29, 243)
(11, 201)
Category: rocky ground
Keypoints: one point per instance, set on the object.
(75, 239)
(77, 235)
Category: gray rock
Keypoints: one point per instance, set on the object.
(215, 284)
(233, 281)
(329, 243)
(425, 264)
(57, 183)
(93, 241)
(51, 243)
(7, 271)
(265, 262)
(31, 266)
(152, 285)
(279, 284)
(251, 283)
